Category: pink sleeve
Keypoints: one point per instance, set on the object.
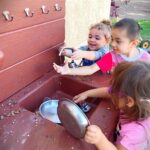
(105, 63)
(126, 142)
(146, 57)
(132, 137)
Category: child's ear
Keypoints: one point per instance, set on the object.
(108, 40)
(135, 42)
(130, 102)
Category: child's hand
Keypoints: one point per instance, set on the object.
(61, 69)
(93, 135)
(80, 97)
(65, 51)
(61, 50)
(78, 54)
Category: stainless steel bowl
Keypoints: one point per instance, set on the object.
(72, 118)
(48, 110)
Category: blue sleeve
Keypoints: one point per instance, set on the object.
(101, 52)
(83, 48)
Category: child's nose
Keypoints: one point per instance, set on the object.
(92, 39)
(113, 44)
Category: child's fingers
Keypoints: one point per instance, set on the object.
(61, 69)
(75, 56)
(76, 98)
(66, 63)
(57, 68)
(75, 53)
(93, 128)
(89, 138)
(75, 49)
(90, 131)
(79, 98)
(54, 66)
(91, 134)
(61, 51)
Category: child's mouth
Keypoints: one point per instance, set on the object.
(116, 50)
(92, 45)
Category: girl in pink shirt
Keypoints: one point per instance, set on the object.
(125, 38)
(130, 93)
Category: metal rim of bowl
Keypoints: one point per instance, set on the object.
(40, 110)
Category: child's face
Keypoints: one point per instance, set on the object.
(121, 42)
(96, 39)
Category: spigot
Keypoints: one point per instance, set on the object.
(72, 64)
(85, 107)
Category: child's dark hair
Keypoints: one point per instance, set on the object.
(131, 26)
(105, 27)
(133, 79)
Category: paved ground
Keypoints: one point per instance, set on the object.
(137, 9)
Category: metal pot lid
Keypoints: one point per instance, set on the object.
(72, 118)
(48, 110)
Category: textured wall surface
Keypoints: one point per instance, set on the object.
(80, 14)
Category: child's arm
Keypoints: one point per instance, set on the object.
(98, 92)
(85, 70)
(90, 55)
(79, 54)
(104, 64)
(95, 136)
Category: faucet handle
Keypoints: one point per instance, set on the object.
(72, 64)
(85, 107)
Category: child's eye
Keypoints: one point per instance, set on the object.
(118, 42)
(90, 36)
(97, 38)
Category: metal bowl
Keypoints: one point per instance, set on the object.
(48, 110)
(72, 118)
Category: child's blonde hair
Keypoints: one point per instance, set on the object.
(105, 27)
(133, 79)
